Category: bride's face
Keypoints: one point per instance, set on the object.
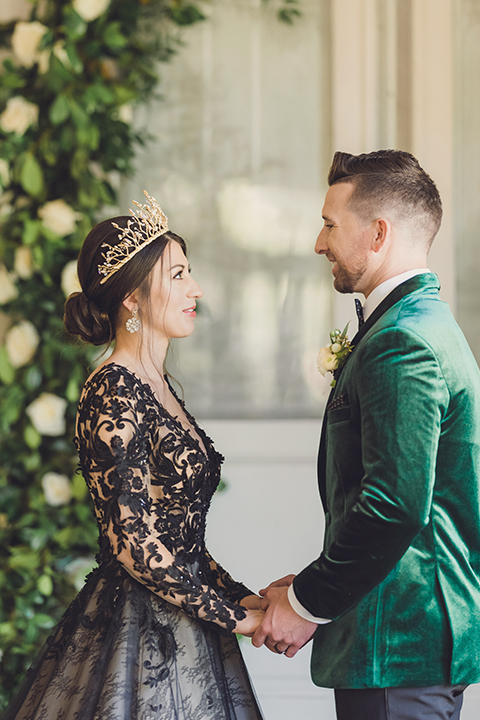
(173, 295)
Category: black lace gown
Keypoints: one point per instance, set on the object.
(150, 635)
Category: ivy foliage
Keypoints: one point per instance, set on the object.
(71, 143)
(70, 77)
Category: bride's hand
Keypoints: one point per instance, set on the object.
(248, 625)
(252, 602)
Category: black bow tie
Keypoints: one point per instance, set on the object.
(359, 310)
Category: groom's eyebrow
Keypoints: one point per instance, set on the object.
(325, 217)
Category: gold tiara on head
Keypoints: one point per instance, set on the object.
(150, 223)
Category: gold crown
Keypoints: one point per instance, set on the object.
(150, 223)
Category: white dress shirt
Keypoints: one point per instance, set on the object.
(373, 301)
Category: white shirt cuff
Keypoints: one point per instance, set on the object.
(300, 610)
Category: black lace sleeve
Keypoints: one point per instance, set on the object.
(151, 491)
(223, 581)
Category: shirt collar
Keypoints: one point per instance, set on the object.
(385, 288)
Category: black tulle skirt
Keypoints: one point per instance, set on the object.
(122, 653)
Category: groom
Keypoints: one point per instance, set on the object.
(393, 600)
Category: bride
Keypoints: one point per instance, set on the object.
(152, 633)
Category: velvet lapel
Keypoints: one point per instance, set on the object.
(415, 283)
(424, 280)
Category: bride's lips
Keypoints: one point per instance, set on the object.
(190, 312)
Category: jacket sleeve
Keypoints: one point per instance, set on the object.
(402, 400)
(120, 482)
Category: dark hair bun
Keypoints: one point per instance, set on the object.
(82, 317)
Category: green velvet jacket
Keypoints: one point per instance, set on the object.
(399, 477)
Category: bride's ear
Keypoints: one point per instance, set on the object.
(131, 301)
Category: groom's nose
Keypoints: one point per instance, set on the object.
(321, 246)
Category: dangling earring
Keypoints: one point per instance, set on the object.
(133, 323)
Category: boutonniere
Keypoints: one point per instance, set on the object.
(333, 356)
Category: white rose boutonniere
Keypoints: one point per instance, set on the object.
(18, 115)
(57, 489)
(333, 356)
(47, 414)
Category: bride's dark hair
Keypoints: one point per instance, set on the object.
(92, 313)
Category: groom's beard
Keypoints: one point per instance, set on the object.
(346, 281)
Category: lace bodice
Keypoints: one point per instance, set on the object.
(152, 481)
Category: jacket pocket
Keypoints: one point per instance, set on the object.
(339, 414)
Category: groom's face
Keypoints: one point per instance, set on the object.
(345, 241)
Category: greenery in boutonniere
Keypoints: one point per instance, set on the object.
(333, 356)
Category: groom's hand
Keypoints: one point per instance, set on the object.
(282, 630)
(285, 581)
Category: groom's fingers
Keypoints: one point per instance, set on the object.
(282, 582)
(259, 636)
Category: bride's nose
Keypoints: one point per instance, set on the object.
(195, 290)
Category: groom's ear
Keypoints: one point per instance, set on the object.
(382, 229)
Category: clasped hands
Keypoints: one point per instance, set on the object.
(278, 626)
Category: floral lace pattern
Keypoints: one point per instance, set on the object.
(150, 634)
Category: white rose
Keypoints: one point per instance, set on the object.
(320, 366)
(25, 41)
(125, 113)
(4, 173)
(326, 361)
(70, 281)
(8, 289)
(21, 342)
(23, 264)
(18, 115)
(57, 489)
(90, 9)
(44, 61)
(5, 208)
(59, 217)
(330, 362)
(47, 414)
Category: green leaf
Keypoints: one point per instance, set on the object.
(79, 487)
(79, 116)
(75, 26)
(31, 176)
(60, 110)
(72, 393)
(21, 559)
(44, 621)
(76, 63)
(113, 37)
(33, 378)
(7, 373)
(32, 437)
(45, 585)
(32, 462)
(30, 231)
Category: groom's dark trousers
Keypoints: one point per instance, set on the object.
(439, 702)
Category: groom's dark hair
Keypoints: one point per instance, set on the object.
(390, 181)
